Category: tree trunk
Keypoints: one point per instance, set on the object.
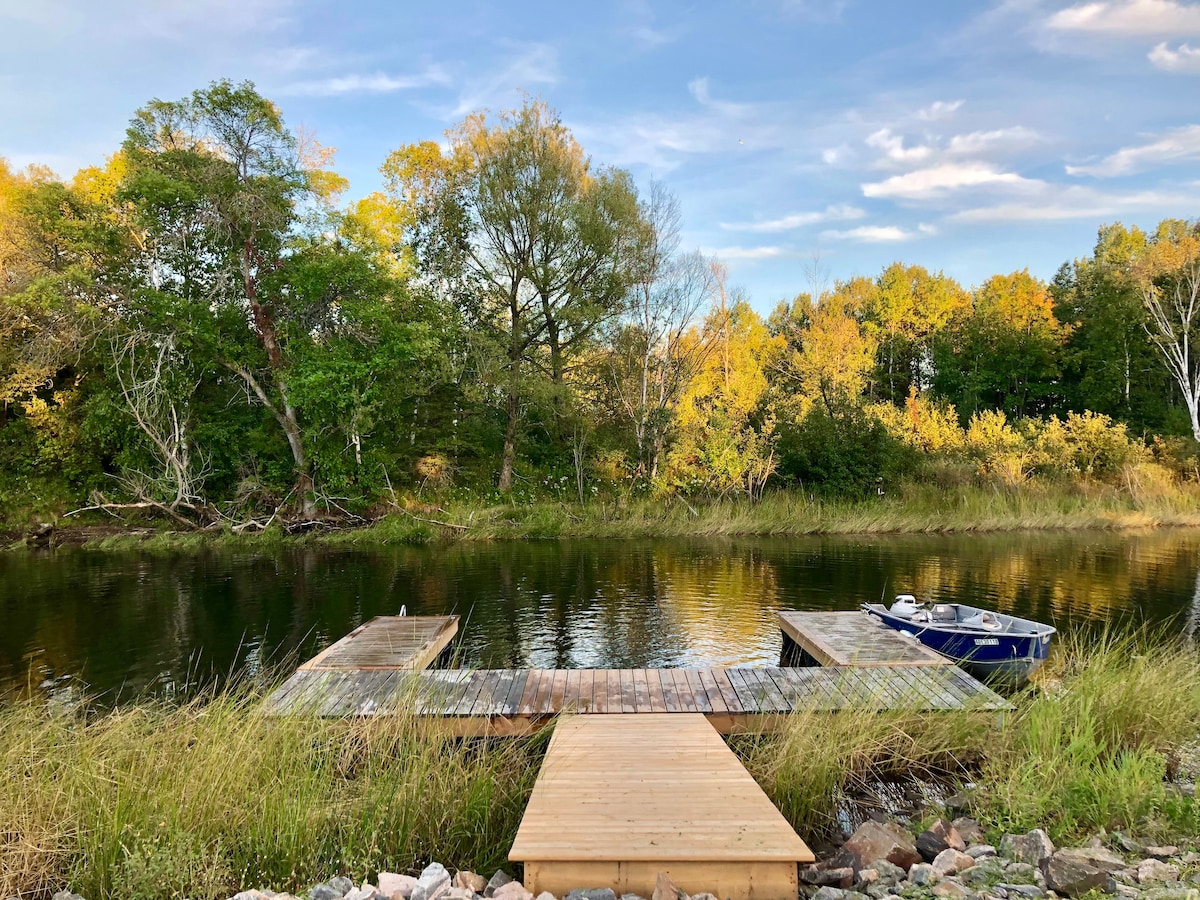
(510, 442)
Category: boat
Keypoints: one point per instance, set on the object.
(987, 644)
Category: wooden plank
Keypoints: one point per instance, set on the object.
(389, 642)
(621, 798)
(699, 691)
(641, 691)
(658, 700)
(512, 703)
(854, 639)
(628, 698)
(716, 702)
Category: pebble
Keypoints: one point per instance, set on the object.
(514, 890)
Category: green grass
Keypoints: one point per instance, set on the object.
(200, 800)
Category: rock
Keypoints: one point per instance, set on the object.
(1128, 844)
(1161, 853)
(251, 895)
(874, 840)
(922, 874)
(498, 880)
(623, 897)
(1033, 848)
(545, 895)
(665, 889)
(879, 891)
(950, 889)
(1022, 890)
(592, 894)
(704, 895)
(958, 804)
(470, 881)
(1127, 890)
(938, 837)
(366, 892)
(981, 851)
(341, 883)
(325, 892)
(1154, 871)
(865, 877)
(391, 883)
(514, 890)
(828, 893)
(889, 873)
(458, 893)
(1190, 858)
(839, 877)
(1071, 873)
(434, 882)
(969, 830)
(1099, 857)
(951, 862)
(66, 895)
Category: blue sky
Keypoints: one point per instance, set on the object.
(807, 140)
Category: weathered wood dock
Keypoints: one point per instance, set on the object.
(387, 643)
(843, 639)
(620, 799)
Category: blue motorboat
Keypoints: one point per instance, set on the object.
(987, 644)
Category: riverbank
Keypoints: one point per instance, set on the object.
(204, 799)
(913, 509)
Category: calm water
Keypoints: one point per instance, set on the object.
(118, 624)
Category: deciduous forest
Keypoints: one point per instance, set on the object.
(202, 328)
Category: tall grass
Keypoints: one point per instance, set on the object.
(200, 800)
(1088, 747)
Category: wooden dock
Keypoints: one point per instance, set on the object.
(510, 701)
(387, 643)
(621, 798)
(844, 639)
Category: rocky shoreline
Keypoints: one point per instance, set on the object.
(881, 861)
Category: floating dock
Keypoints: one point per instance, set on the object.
(387, 643)
(621, 798)
(843, 639)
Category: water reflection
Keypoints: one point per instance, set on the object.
(121, 623)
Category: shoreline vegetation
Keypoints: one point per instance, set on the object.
(203, 798)
(914, 509)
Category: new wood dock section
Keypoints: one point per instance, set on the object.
(506, 701)
(621, 798)
(854, 639)
(387, 643)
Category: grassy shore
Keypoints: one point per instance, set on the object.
(913, 508)
(198, 800)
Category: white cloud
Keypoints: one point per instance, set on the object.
(833, 156)
(983, 141)
(893, 146)
(1057, 202)
(939, 109)
(1185, 59)
(939, 180)
(874, 234)
(643, 28)
(836, 213)
(379, 83)
(1128, 18)
(533, 64)
(731, 253)
(1175, 146)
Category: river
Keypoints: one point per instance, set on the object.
(119, 625)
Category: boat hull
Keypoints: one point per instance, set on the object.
(995, 656)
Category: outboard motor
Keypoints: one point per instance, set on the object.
(905, 606)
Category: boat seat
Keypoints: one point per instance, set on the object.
(985, 620)
(943, 613)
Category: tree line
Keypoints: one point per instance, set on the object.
(203, 327)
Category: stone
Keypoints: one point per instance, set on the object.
(366, 892)
(958, 804)
(592, 894)
(865, 877)
(1031, 891)
(969, 830)
(889, 872)
(938, 837)
(1033, 848)
(341, 883)
(828, 893)
(434, 882)
(66, 895)
(705, 895)
(875, 840)
(879, 891)
(950, 889)
(514, 890)
(1154, 871)
(458, 893)
(249, 895)
(664, 889)
(1129, 844)
(951, 862)
(325, 892)
(625, 897)
(839, 877)
(470, 881)
(1162, 853)
(1072, 873)
(1100, 857)
(392, 883)
(981, 851)
(922, 874)
(1127, 890)
(545, 895)
(500, 879)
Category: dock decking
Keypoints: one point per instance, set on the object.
(387, 643)
(842, 639)
(621, 798)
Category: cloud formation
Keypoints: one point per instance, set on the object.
(878, 234)
(835, 213)
(1176, 146)
(1185, 58)
(939, 180)
(1129, 18)
(939, 109)
(378, 83)
(893, 147)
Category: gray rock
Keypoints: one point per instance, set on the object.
(865, 877)
(829, 893)
(1169, 892)
(251, 895)
(1162, 853)
(458, 893)
(1022, 890)
(837, 876)
(889, 873)
(879, 891)
(981, 851)
(922, 874)
(665, 889)
(623, 897)
(434, 882)
(950, 890)
(392, 883)
(1154, 871)
(514, 890)
(545, 895)
(366, 892)
(1033, 848)
(592, 894)
(500, 879)
(470, 881)
(325, 892)
(1100, 857)
(939, 836)
(875, 840)
(951, 862)
(341, 883)
(705, 895)
(1128, 844)
(969, 830)
(1127, 890)
(66, 895)
(1073, 874)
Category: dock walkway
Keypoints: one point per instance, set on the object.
(853, 639)
(387, 643)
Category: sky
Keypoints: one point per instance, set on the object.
(807, 140)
